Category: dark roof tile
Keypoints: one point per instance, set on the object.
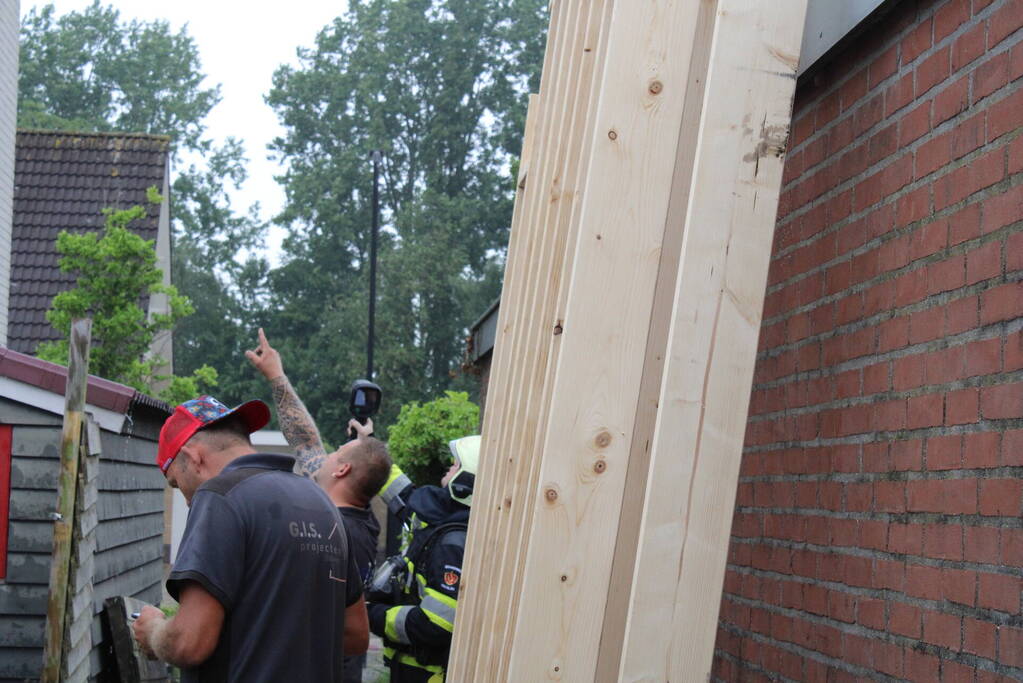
(64, 181)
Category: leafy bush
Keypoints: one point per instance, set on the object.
(419, 439)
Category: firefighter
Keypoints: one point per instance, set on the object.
(415, 594)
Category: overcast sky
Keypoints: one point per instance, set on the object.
(240, 44)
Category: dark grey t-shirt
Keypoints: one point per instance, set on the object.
(271, 547)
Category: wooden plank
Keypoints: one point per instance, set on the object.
(130, 477)
(70, 447)
(127, 449)
(115, 533)
(142, 582)
(132, 665)
(126, 557)
(719, 297)
(613, 631)
(30, 568)
(33, 506)
(30, 537)
(17, 413)
(23, 600)
(20, 664)
(575, 519)
(35, 473)
(21, 631)
(35, 442)
(114, 505)
(587, 59)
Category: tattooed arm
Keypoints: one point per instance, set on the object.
(296, 422)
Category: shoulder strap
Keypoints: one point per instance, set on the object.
(423, 542)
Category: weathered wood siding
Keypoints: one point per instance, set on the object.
(128, 536)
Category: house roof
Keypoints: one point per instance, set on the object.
(64, 181)
(43, 384)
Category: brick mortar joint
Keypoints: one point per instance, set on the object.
(906, 559)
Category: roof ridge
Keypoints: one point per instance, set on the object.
(94, 133)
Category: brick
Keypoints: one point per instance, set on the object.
(1001, 497)
(964, 224)
(908, 372)
(954, 672)
(966, 180)
(962, 407)
(983, 357)
(981, 544)
(999, 592)
(1004, 209)
(1004, 22)
(968, 46)
(884, 66)
(952, 101)
(1012, 448)
(943, 541)
(842, 607)
(968, 135)
(1001, 303)
(915, 206)
(984, 263)
(981, 450)
(947, 496)
(888, 574)
(1011, 552)
(1010, 646)
(888, 658)
(885, 142)
(947, 275)
(990, 76)
(899, 94)
(907, 455)
(917, 41)
(1016, 153)
(920, 667)
(926, 325)
(933, 70)
(945, 452)
(1013, 359)
(923, 581)
(870, 613)
(962, 314)
(1002, 401)
(933, 155)
(872, 534)
(944, 365)
(905, 539)
(925, 411)
(889, 416)
(853, 90)
(905, 620)
(959, 586)
(868, 115)
(910, 288)
(943, 630)
(931, 237)
(949, 17)
(876, 378)
(1003, 116)
(890, 496)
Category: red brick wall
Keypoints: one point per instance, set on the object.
(878, 530)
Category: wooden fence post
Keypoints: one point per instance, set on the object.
(70, 445)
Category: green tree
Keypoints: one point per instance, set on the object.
(419, 439)
(116, 272)
(93, 71)
(440, 86)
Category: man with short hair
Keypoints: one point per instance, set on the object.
(262, 574)
(350, 476)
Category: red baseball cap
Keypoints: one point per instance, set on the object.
(199, 413)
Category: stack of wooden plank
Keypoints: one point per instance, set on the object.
(628, 328)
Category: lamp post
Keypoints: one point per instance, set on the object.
(374, 228)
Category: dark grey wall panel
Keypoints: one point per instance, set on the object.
(122, 531)
(23, 600)
(22, 631)
(35, 473)
(127, 557)
(14, 413)
(30, 537)
(35, 442)
(28, 568)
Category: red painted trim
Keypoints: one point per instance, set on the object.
(100, 392)
(5, 494)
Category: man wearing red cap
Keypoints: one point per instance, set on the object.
(261, 576)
